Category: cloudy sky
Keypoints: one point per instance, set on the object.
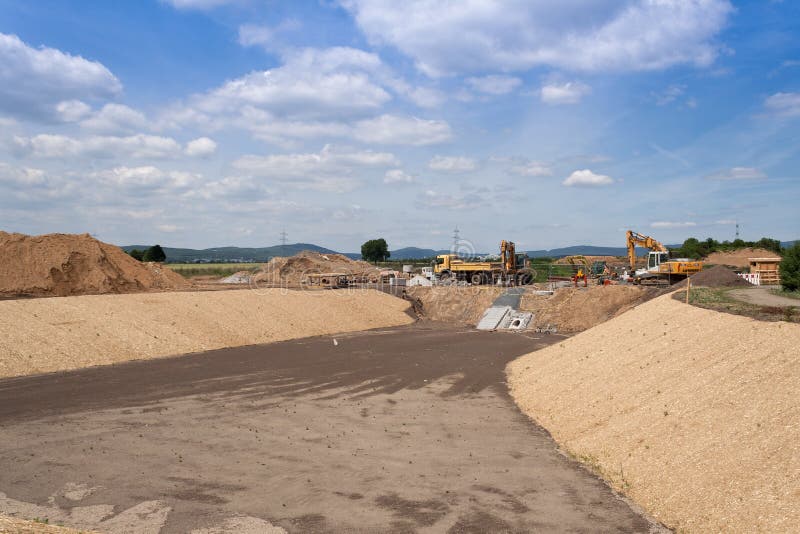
(202, 123)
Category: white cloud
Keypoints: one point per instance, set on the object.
(456, 37)
(452, 164)
(168, 228)
(61, 146)
(145, 177)
(33, 81)
(267, 37)
(311, 84)
(197, 4)
(784, 104)
(331, 169)
(201, 147)
(494, 84)
(21, 176)
(531, 168)
(115, 118)
(586, 178)
(397, 176)
(72, 110)
(669, 95)
(564, 93)
(672, 224)
(738, 173)
(397, 130)
(431, 199)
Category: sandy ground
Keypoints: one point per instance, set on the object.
(738, 258)
(55, 334)
(763, 296)
(403, 430)
(691, 412)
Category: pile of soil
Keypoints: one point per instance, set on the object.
(738, 258)
(689, 412)
(717, 276)
(454, 304)
(576, 309)
(294, 270)
(72, 264)
(591, 259)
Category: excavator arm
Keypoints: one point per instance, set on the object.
(635, 239)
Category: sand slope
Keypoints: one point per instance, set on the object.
(43, 335)
(692, 413)
(738, 258)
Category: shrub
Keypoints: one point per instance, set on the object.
(154, 253)
(790, 268)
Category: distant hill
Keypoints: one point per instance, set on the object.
(414, 253)
(233, 254)
(787, 244)
(582, 250)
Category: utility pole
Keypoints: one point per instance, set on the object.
(456, 239)
(284, 237)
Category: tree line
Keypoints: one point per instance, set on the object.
(695, 249)
(154, 253)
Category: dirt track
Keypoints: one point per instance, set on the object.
(763, 296)
(408, 429)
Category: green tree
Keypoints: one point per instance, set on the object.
(154, 253)
(790, 268)
(137, 254)
(772, 245)
(375, 250)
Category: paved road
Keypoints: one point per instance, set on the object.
(405, 430)
(763, 296)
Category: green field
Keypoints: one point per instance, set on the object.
(211, 269)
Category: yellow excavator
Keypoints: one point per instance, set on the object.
(660, 269)
(512, 269)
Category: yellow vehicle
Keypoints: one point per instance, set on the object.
(660, 268)
(510, 270)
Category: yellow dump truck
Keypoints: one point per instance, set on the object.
(512, 269)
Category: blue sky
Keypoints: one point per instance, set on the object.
(221, 122)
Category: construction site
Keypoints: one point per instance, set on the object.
(318, 393)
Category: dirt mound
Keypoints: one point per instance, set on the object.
(71, 264)
(690, 412)
(591, 259)
(738, 258)
(576, 309)
(454, 304)
(294, 269)
(717, 276)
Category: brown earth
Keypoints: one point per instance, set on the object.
(293, 270)
(573, 309)
(738, 258)
(403, 430)
(591, 259)
(45, 335)
(717, 276)
(691, 413)
(455, 304)
(71, 264)
(569, 309)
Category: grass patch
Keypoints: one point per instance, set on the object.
(188, 270)
(718, 299)
(784, 293)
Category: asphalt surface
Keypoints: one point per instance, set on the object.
(404, 430)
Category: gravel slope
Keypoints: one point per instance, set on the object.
(690, 412)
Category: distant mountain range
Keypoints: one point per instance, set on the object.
(263, 254)
(233, 254)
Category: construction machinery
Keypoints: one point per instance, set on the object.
(660, 269)
(512, 269)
